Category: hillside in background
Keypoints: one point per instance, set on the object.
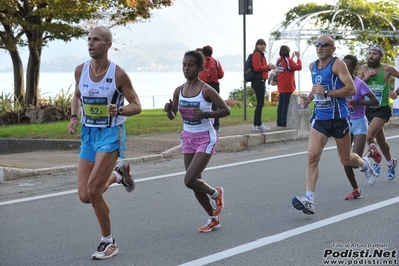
(167, 57)
(159, 43)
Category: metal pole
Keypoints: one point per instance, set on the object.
(298, 45)
(244, 47)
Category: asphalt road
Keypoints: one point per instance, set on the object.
(42, 221)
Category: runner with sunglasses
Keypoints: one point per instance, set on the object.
(331, 84)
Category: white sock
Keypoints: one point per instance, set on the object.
(310, 195)
(118, 176)
(215, 194)
(390, 163)
(107, 239)
(364, 167)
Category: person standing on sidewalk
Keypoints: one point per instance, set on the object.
(261, 68)
(194, 101)
(357, 109)
(331, 84)
(377, 77)
(213, 71)
(286, 68)
(100, 91)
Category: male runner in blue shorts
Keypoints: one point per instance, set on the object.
(331, 84)
(100, 91)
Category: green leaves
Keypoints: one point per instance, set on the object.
(35, 23)
(355, 23)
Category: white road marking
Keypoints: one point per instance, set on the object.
(259, 242)
(287, 234)
(170, 175)
(57, 194)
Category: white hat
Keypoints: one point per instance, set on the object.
(377, 48)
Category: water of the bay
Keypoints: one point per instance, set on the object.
(153, 88)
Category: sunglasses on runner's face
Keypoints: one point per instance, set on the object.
(322, 44)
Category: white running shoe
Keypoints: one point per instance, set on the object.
(261, 128)
(123, 168)
(105, 251)
(303, 204)
(371, 175)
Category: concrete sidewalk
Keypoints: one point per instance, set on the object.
(139, 149)
(147, 148)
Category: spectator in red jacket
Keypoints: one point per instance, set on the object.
(260, 67)
(211, 74)
(286, 68)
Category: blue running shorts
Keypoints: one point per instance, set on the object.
(102, 139)
(337, 128)
(359, 126)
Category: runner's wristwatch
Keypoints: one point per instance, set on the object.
(325, 93)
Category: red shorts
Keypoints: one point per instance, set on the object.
(199, 142)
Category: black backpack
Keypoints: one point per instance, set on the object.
(248, 73)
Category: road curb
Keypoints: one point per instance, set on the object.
(225, 144)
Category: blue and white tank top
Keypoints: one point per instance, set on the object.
(96, 96)
(186, 107)
(329, 107)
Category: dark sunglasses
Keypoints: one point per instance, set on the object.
(322, 44)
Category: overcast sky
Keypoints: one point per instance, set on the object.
(220, 26)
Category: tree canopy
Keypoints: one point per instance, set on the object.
(357, 23)
(35, 23)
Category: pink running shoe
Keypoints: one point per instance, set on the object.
(375, 154)
(355, 194)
